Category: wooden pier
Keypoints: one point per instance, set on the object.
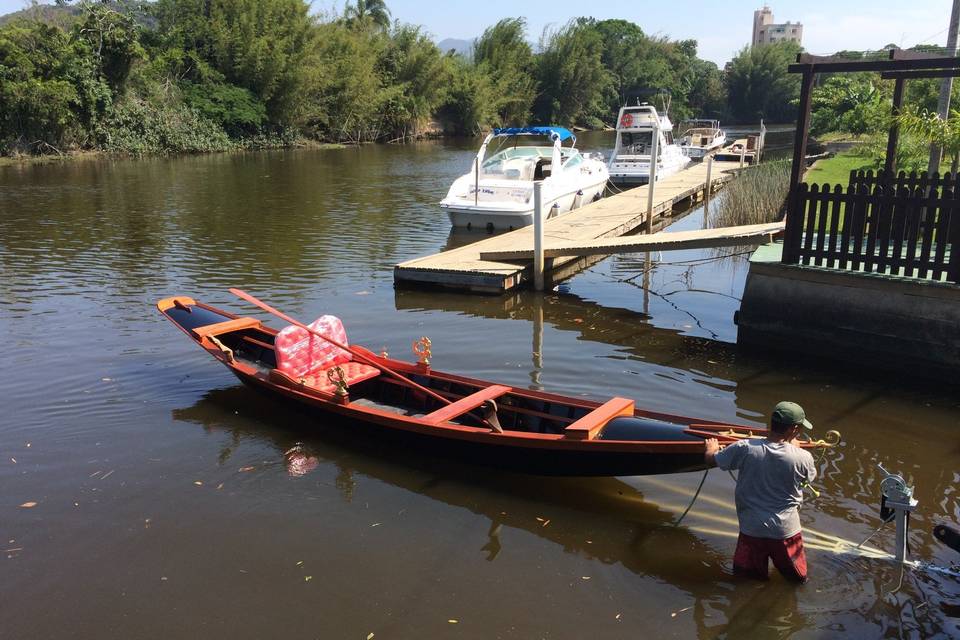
(467, 269)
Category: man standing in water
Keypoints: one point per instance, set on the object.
(773, 472)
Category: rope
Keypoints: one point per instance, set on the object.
(695, 496)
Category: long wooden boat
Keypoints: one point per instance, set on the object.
(524, 430)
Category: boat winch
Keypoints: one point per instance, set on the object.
(896, 504)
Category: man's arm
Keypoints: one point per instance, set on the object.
(710, 455)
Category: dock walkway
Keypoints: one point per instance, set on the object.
(468, 269)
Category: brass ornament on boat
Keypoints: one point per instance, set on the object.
(336, 376)
(421, 348)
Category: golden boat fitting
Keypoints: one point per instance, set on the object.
(336, 377)
(421, 349)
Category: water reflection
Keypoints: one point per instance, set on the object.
(602, 519)
(607, 520)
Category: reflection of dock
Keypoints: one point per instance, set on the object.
(464, 268)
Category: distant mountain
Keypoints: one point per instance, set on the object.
(61, 16)
(463, 47)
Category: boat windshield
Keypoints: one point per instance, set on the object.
(515, 163)
(636, 143)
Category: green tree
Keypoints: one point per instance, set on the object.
(343, 87)
(471, 98)
(260, 45)
(364, 12)
(624, 45)
(574, 84)
(37, 98)
(503, 54)
(414, 80)
(758, 85)
(850, 103)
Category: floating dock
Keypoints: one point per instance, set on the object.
(468, 269)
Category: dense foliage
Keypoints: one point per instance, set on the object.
(194, 75)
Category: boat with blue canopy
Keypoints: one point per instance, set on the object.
(497, 193)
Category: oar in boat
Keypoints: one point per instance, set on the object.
(263, 305)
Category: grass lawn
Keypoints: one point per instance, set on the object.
(836, 170)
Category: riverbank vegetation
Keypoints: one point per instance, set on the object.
(758, 195)
(143, 76)
(856, 107)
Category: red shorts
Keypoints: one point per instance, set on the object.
(752, 556)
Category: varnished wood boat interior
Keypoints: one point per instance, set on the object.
(252, 344)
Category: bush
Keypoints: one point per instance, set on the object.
(756, 196)
(137, 126)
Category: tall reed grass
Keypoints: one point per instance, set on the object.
(757, 195)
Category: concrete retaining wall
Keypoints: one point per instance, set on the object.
(880, 321)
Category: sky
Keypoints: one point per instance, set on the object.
(720, 28)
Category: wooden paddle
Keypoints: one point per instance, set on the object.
(263, 305)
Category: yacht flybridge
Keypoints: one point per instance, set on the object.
(497, 193)
(630, 162)
(700, 138)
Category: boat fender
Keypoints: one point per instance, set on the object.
(636, 429)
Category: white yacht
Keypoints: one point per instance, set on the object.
(630, 162)
(699, 138)
(497, 193)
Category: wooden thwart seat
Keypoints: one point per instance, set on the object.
(587, 427)
(465, 404)
(226, 326)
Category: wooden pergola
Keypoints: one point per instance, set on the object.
(900, 66)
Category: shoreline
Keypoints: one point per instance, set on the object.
(25, 160)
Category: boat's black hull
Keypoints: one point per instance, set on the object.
(513, 457)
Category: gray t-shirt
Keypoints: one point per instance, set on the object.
(770, 485)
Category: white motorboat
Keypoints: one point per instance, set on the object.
(699, 138)
(498, 191)
(630, 162)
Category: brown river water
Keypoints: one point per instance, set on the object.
(167, 506)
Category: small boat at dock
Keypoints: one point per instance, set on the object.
(497, 193)
(455, 416)
(630, 162)
(699, 138)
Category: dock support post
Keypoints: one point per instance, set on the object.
(538, 235)
(706, 191)
(743, 153)
(654, 158)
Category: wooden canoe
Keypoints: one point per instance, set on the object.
(543, 433)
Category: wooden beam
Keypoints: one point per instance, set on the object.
(889, 163)
(921, 73)
(847, 65)
(663, 241)
(803, 129)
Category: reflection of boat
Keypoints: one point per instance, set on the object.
(605, 519)
(630, 162)
(498, 191)
(699, 138)
(530, 431)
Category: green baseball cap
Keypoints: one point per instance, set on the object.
(789, 414)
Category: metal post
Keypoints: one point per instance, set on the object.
(476, 181)
(538, 235)
(654, 159)
(946, 86)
